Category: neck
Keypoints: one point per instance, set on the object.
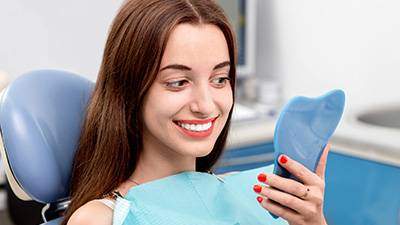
(152, 166)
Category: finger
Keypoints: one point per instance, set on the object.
(287, 185)
(276, 209)
(320, 171)
(283, 198)
(298, 170)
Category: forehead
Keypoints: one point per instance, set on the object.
(202, 43)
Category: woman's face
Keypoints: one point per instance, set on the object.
(187, 106)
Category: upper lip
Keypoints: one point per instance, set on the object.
(196, 121)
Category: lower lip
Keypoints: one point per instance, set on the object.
(198, 134)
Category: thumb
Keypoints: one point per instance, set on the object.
(320, 171)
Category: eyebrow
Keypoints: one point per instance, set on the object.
(186, 68)
(222, 65)
(176, 67)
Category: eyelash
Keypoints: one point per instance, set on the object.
(221, 81)
(180, 84)
(177, 85)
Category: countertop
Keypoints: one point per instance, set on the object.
(376, 143)
(252, 126)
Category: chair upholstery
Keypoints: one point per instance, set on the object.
(41, 114)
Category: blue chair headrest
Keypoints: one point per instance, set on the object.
(41, 114)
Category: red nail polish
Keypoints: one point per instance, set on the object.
(259, 199)
(257, 188)
(262, 177)
(283, 159)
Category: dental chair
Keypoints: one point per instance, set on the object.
(41, 114)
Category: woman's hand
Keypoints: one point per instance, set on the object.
(304, 202)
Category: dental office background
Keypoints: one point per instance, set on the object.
(300, 47)
(303, 48)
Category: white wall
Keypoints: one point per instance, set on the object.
(47, 34)
(309, 46)
(353, 45)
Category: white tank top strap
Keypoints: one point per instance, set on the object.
(110, 204)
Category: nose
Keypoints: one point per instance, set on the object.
(202, 101)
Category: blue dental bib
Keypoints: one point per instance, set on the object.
(197, 199)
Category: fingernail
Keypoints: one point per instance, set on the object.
(257, 188)
(262, 177)
(283, 159)
(259, 199)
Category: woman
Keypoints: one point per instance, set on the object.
(162, 106)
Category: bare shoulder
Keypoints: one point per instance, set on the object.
(93, 212)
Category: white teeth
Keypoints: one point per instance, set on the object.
(195, 127)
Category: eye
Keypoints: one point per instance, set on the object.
(220, 81)
(177, 84)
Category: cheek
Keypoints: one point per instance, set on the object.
(225, 100)
(163, 105)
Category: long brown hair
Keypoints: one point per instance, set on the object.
(111, 139)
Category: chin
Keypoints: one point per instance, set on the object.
(201, 151)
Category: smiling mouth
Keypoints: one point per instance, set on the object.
(197, 128)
